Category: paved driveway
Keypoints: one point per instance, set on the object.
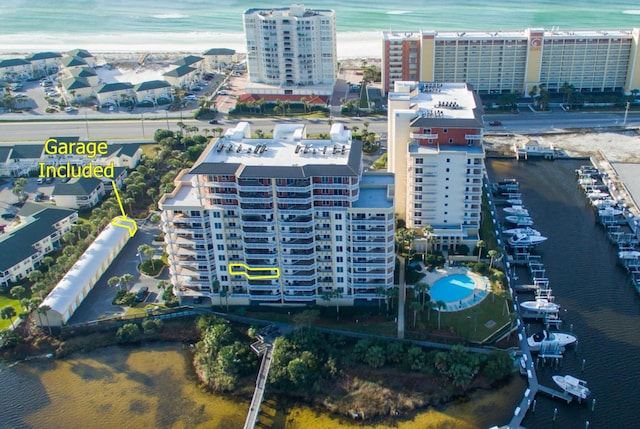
(98, 302)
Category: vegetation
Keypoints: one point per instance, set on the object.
(124, 298)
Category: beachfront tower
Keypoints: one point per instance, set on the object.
(300, 205)
(291, 50)
(436, 155)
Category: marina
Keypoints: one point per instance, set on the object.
(580, 261)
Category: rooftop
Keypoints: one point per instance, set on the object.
(81, 187)
(220, 51)
(27, 151)
(17, 245)
(490, 35)
(288, 154)
(373, 198)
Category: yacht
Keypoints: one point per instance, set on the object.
(519, 220)
(609, 212)
(517, 211)
(563, 339)
(526, 230)
(629, 254)
(524, 240)
(573, 386)
(540, 306)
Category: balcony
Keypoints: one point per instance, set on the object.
(421, 136)
(473, 136)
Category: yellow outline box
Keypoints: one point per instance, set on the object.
(125, 222)
(254, 277)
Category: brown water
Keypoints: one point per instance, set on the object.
(154, 387)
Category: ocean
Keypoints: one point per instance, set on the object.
(197, 25)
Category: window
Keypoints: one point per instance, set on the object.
(418, 179)
(448, 159)
(419, 161)
(220, 247)
(217, 225)
(340, 279)
(338, 227)
(339, 269)
(221, 258)
(339, 259)
(417, 214)
(418, 189)
(417, 206)
(218, 236)
(338, 237)
(450, 141)
(418, 170)
(338, 216)
(339, 249)
(445, 131)
(447, 170)
(224, 278)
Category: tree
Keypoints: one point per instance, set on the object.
(381, 293)
(8, 312)
(48, 261)
(224, 293)
(335, 295)
(114, 281)
(480, 245)
(18, 292)
(427, 232)
(126, 279)
(493, 254)
(415, 306)
(149, 252)
(306, 318)
(44, 309)
(422, 289)
(440, 305)
(39, 288)
(35, 275)
(128, 333)
(375, 357)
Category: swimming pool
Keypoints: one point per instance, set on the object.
(452, 288)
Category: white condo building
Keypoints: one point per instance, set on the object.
(288, 202)
(436, 154)
(291, 50)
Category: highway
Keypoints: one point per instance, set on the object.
(143, 128)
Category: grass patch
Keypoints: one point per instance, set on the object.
(380, 163)
(149, 149)
(7, 301)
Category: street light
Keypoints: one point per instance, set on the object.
(468, 327)
(142, 117)
(140, 256)
(166, 115)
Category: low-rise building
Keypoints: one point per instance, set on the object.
(87, 73)
(15, 69)
(122, 155)
(116, 93)
(80, 194)
(74, 287)
(191, 61)
(217, 58)
(76, 88)
(154, 91)
(44, 63)
(39, 232)
(182, 76)
(84, 55)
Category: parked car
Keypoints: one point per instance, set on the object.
(495, 123)
(8, 216)
(223, 92)
(213, 121)
(39, 197)
(141, 294)
(40, 181)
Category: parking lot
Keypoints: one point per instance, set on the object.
(8, 198)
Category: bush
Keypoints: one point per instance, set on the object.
(151, 267)
(151, 326)
(170, 300)
(123, 298)
(128, 333)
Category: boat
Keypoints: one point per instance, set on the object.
(540, 306)
(629, 254)
(515, 202)
(526, 288)
(573, 386)
(519, 220)
(603, 204)
(516, 210)
(609, 212)
(598, 195)
(563, 339)
(524, 240)
(526, 230)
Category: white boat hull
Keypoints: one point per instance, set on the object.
(540, 306)
(527, 231)
(562, 339)
(521, 240)
(573, 386)
(519, 220)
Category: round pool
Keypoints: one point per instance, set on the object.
(452, 288)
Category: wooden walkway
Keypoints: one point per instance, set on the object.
(261, 385)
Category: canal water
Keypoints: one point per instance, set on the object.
(597, 298)
(154, 387)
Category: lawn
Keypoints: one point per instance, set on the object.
(149, 149)
(4, 302)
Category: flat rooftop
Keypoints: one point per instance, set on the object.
(414, 147)
(510, 35)
(373, 198)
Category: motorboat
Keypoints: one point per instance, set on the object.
(526, 230)
(562, 339)
(603, 204)
(609, 212)
(629, 254)
(517, 211)
(587, 181)
(598, 195)
(573, 386)
(524, 240)
(515, 202)
(519, 220)
(526, 288)
(540, 306)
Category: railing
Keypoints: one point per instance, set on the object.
(423, 136)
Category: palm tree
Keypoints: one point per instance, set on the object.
(439, 305)
(8, 312)
(493, 254)
(114, 281)
(480, 245)
(44, 309)
(18, 292)
(126, 279)
(381, 293)
(427, 232)
(39, 288)
(35, 276)
(415, 306)
(421, 288)
(224, 294)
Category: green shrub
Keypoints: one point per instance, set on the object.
(151, 267)
(128, 333)
(170, 300)
(123, 298)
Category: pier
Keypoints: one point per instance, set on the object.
(261, 385)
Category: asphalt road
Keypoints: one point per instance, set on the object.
(143, 129)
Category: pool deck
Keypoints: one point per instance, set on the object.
(481, 291)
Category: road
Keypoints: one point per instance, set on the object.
(143, 129)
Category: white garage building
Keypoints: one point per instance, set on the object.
(65, 298)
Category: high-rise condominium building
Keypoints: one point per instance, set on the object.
(515, 61)
(291, 50)
(436, 154)
(280, 220)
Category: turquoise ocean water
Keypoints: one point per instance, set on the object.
(33, 25)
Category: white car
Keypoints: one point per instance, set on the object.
(223, 92)
(70, 109)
